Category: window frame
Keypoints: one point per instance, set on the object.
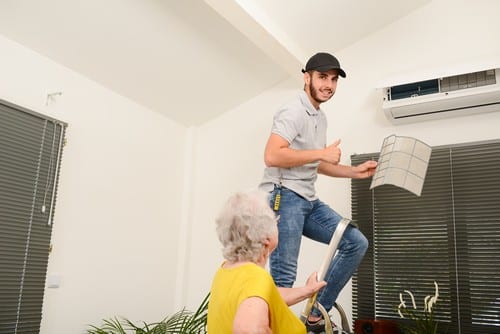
(31, 146)
(460, 192)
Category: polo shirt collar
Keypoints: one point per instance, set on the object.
(307, 103)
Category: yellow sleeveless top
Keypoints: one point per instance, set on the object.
(231, 286)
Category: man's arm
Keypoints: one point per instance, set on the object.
(361, 171)
(279, 154)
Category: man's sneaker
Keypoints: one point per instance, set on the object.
(315, 327)
(319, 327)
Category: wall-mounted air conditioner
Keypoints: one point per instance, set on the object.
(462, 93)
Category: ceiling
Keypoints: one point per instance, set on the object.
(192, 60)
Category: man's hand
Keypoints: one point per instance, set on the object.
(364, 170)
(332, 153)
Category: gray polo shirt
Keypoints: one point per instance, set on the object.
(304, 127)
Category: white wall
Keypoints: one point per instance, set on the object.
(229, 157)
(118, 210)
(230, 149)
(125, 177)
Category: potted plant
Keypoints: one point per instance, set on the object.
(182, 322)
(423, 321)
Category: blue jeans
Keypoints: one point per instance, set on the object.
(317, 221)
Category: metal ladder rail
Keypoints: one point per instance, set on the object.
(332, 248)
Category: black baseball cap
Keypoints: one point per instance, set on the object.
(323, 62)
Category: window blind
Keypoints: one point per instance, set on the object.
(450, 234)
(30, 154)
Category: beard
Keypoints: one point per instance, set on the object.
(316, 95)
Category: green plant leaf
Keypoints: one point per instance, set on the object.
(181, 322)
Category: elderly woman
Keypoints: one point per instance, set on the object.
(243, 297)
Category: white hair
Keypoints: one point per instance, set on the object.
(246, 220)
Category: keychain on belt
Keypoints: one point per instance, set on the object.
(277, 199)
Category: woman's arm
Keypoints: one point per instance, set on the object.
(293, 296)
(252, 317)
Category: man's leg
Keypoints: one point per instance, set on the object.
(292, 211)
(320, 226)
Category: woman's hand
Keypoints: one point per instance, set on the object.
(292, 296)
(313, 285)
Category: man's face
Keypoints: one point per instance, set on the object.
(321, 85)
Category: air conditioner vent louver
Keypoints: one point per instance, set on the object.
(414, 89)
(452, 95)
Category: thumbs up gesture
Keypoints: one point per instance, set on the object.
(332, 153)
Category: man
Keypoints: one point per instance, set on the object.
(295, 153)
